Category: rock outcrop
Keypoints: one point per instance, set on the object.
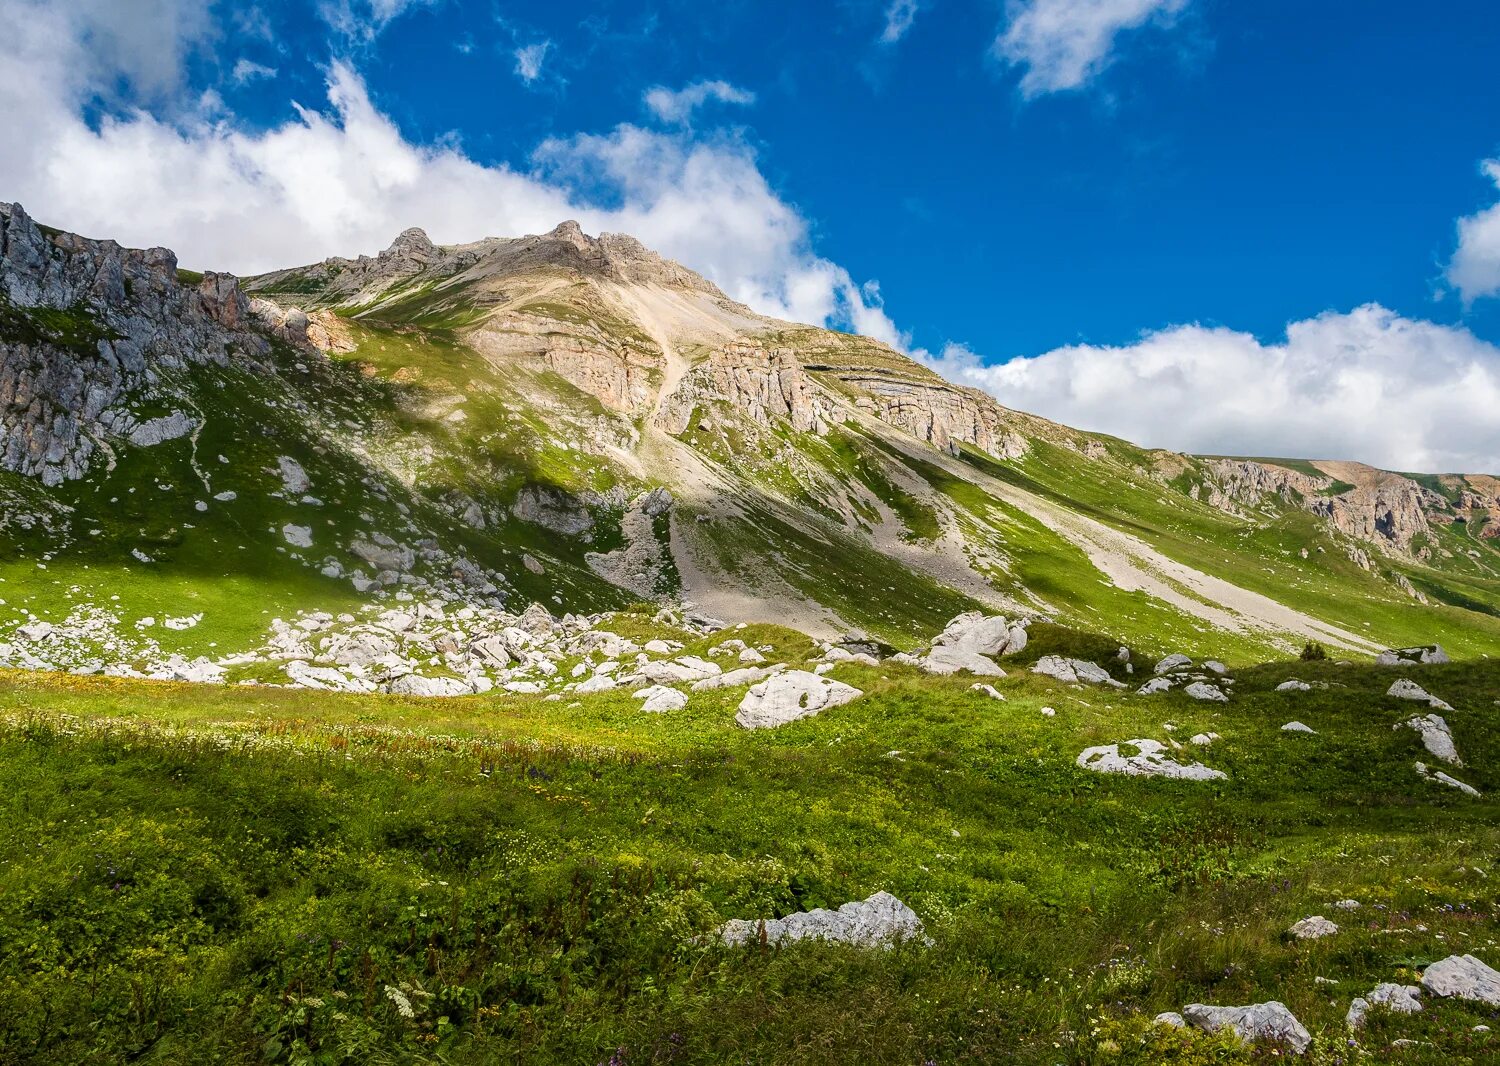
(766, 384)
(882, 921)
(1271, 1022)
(85, 325)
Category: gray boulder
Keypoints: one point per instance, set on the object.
(1270, 1021)
(1407, 689)
(1149, 760)
(1463, 977)
(1398, 999)
(881, 921)
(787, 697)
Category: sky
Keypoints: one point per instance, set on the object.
(1228, 228)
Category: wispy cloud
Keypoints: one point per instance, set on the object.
(246, 71)
(365, 19)
(899, 16)
(677, 105)
(529, 59)
(1064, 44)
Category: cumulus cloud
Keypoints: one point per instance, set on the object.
(677, 105)
(1367, 385)
(529, 60)
(339, 177)
(1475, 268)
(898, 19)
(246, 71)
(1064, 44)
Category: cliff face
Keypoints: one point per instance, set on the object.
(84, 325)
(1386, 510)
(941, 415)
(766, 384)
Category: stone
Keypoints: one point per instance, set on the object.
(297, 536)
(1428, 654)
(1313, 928)
(417, 685)
(1149, 761)
(950, 660)
(552, 509)
(790, 696)
(660, 699)
(1437, 738)
(1213, 666)
(1171, 1019)
(1202, 690)
(1074, 670)
(678, 671)
(156, 431)
(1293, 685)
(294, 479)
(1444, 779)
(1203, 740)
(1398, 999)
(1463, 977)
(1270, 1021)
(747, 675)
(1155, 686)
(1175, 661)
(597, 683)
(881, 921)
(1297, 727)
(989, 690)
(1407, 689)
(35, 631)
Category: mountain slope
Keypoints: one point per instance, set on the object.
(578, 421)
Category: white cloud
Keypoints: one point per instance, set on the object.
(898, 19)
(246, 71)
(1367, 385)
(529, 60)
(365, 19)
(677, 105)
(1475, 268)
(341, 178)
(1063, 44)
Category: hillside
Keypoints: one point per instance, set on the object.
(800, 706)
(577, 421)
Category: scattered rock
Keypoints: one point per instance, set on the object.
(1428, 654)
(989, 690)
(1155, 685)
(1202, 690)
(1074, 670)
(1436, 737)
(790, 696)
(1293, 685)
(1175, 661)
(1398, 999)
(1147, 762)
(1444, 779)
(659, 699)
(1260, 1021)
(1463, 977)
(297, 536)
(881, 921)
(1170, 1018)
(1406, 689)
(1313, 928)
(1297, 727)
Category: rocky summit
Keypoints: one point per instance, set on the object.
(519, 650)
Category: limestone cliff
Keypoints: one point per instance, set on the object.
(84, 325)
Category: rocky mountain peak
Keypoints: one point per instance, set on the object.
(413, 243)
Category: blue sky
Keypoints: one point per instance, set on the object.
(1072, 203)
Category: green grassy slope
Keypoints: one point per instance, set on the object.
(197, 874)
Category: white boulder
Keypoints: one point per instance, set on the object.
(1463, 977)
(789, 696)
(1270, 1021)
(1149, 761)
(878, 922)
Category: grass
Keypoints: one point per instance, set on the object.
(208, 874)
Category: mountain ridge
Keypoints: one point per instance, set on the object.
(569, 416)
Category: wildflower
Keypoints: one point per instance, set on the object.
(398, 997)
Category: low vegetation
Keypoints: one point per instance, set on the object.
(197, 873)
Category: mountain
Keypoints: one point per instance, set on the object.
(580, 422)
